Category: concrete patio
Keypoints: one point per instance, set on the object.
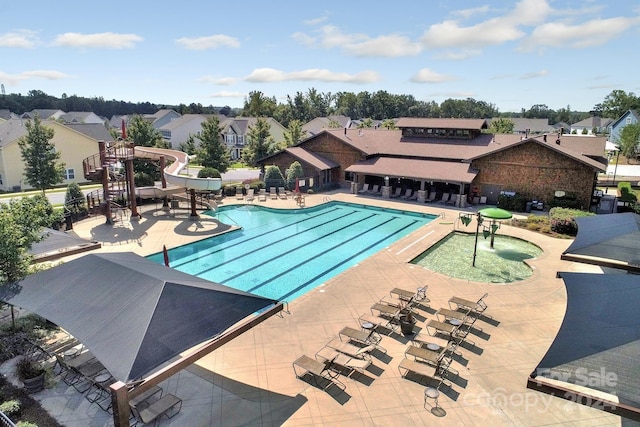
(250, 381)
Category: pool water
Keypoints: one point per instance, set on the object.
(282, 254)
(453, 256)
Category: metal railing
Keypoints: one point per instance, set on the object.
(5, 421)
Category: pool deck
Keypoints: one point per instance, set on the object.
(250, 380)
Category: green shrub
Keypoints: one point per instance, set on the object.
(515, 203)
(209, 173)
(10, 407)
(273, 177)
(562, 220)
(143, 179)
(26, 424)
(626, 192)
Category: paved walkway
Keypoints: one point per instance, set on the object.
(250, 381)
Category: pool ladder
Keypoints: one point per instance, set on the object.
(326, 199)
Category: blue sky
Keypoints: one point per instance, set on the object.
(511, 54)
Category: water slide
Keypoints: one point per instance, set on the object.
(172, 175)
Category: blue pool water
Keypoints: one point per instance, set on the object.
(282, 254)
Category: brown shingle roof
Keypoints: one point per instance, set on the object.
(416, 122)
(314, 159)
(430, 170)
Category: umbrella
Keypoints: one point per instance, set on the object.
(124, 130)
(297, 190)
(495, 213)
(166, 255)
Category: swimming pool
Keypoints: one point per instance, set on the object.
(504, 263)
(282, 254)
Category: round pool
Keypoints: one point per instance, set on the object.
(504, 263)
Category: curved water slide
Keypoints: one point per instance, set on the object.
(172, 172)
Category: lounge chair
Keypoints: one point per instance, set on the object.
(407, 194)
(410, 297)
(262, 196)
(429, 371)
(282, 193)
(375, 190)
(475, 307)
(445, 198)
(365, 188)
(317, 370)
(414, 196)
(359, 336)
(351, 349)
(444, 314)
(273, 193)
(249, 197)
(329, 354)
(483, 200)
(453, 198)
(396, 193)
(431, 198)
(239, 195)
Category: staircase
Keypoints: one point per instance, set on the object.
(107, 167)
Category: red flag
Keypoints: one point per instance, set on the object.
(124, 130)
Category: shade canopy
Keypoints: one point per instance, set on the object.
(495, 213)
(599, 340)
(131, 313)
(611, 240)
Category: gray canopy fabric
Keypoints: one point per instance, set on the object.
(599, 341)
(608, 238)
(131, 313)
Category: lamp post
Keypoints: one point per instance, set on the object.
(615, 169)
(475, 246)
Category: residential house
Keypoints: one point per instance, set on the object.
(82, 117)
(177, 131)
(523, 126)
(235, 132)
(599, 125)
(75, 142)
(319, 124)
(161, 117)
(6, 115)
(449, 156)
(44, 114)
(629, 118)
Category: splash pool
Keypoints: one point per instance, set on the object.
(453, 256)
(282, 254)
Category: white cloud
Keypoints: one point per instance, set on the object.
(470, 13)
(534, 75)
(595, 32)
(358, 44)
(14, 79)
(457, 55)
(99, 40)
(315, 21)
(209, 42)
(264, 75)
(228, 94)
(493, 31)
(427, 75)
(24, 39)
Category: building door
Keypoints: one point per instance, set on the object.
(492, 192)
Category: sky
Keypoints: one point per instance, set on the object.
(512, 54)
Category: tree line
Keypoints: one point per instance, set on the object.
(305, 106)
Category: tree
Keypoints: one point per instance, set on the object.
(21, 224)
(617, 103)
(143, 134)
(260, 142)
(273, 177)
(501, 125)
(294, 133)
(189, 146)
(629, 140)
(389, 124)
(74, 200)
(294, 171)
(213, 153)
(258, 105)
(39, 154)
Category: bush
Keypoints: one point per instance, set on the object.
(10, 407)
(27, 368)
(626, 192)
(209, 173)
(273, 177)
(26, 424)
(515, 203)
(562, 220)
(143, 179)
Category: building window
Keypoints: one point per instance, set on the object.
(230, 138)
(240, 139)
(69, 174)
(628, 121)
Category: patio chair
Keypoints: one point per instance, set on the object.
(317, 370)
(262, 195)
(273, 193)
(430, 372)
(407, 194)
(328, 354)
(414, 196)
(483, 200)
(432, 197)
(282, 193)
(411, 297)
(475, 307)
(444, 314)
(351, 349)
(375, 190)
(396, 193)
(239, 195)
(453, 198)
(445, 198)
(364, 189)
(249, 197)
(359, 336)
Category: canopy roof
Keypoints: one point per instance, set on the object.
(131, 313)
(599, 339)
(495, 213)
(611, 240)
